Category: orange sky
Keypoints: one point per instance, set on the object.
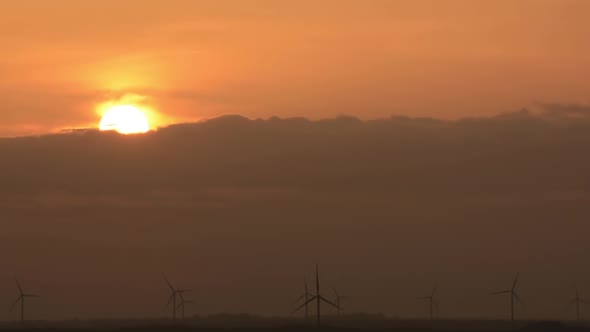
(194, 59)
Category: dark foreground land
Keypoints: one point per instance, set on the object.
(253, 324)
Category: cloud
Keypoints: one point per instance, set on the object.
(385, 157)
(565, 111)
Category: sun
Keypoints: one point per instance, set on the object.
(125, 119)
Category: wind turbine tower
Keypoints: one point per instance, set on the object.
(577, 301)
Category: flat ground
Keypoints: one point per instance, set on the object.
(292, 325)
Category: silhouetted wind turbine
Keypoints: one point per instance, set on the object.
(172, 299)
(437, 308)
(577, 300)
(339, 299)
(21, 299)
(183, 302)
(317, 297)
(431, 301)
(513, 296)
(305, 296)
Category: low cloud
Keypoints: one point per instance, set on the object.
(566, 111)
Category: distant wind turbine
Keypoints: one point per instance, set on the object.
(577, 301)
(437, 308)
(317, 297)
(513, 296)
(21, 299)
(431, 301)
(183, 303)
(305, 296)
(339, 299)
(172, 299)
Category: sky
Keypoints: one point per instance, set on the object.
(189, 60)
(396, 143)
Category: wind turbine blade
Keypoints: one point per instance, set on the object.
(517, 298)
(330, 303)
(15, 303)
(170, 300)
(168, 283)
(20, 289)
(299, 299)
(304, 304)
(515, 281)
(434, 290)
(501, 292)
(31, 295)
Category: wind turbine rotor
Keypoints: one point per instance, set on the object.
(305, 303)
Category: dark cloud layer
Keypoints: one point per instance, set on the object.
(566, 111)
(240, 210)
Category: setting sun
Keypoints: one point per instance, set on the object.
(125, 119)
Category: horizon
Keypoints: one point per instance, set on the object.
(550, 113)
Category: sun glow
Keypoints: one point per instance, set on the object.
(125, 119)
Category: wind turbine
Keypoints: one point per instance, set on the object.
(21, 299)
(339, 299)
(513, 296)
(577, 300)
(431, 301)
(183, 302)
(305, 296)
(437, 308)
(317, 297)
(172, 299)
